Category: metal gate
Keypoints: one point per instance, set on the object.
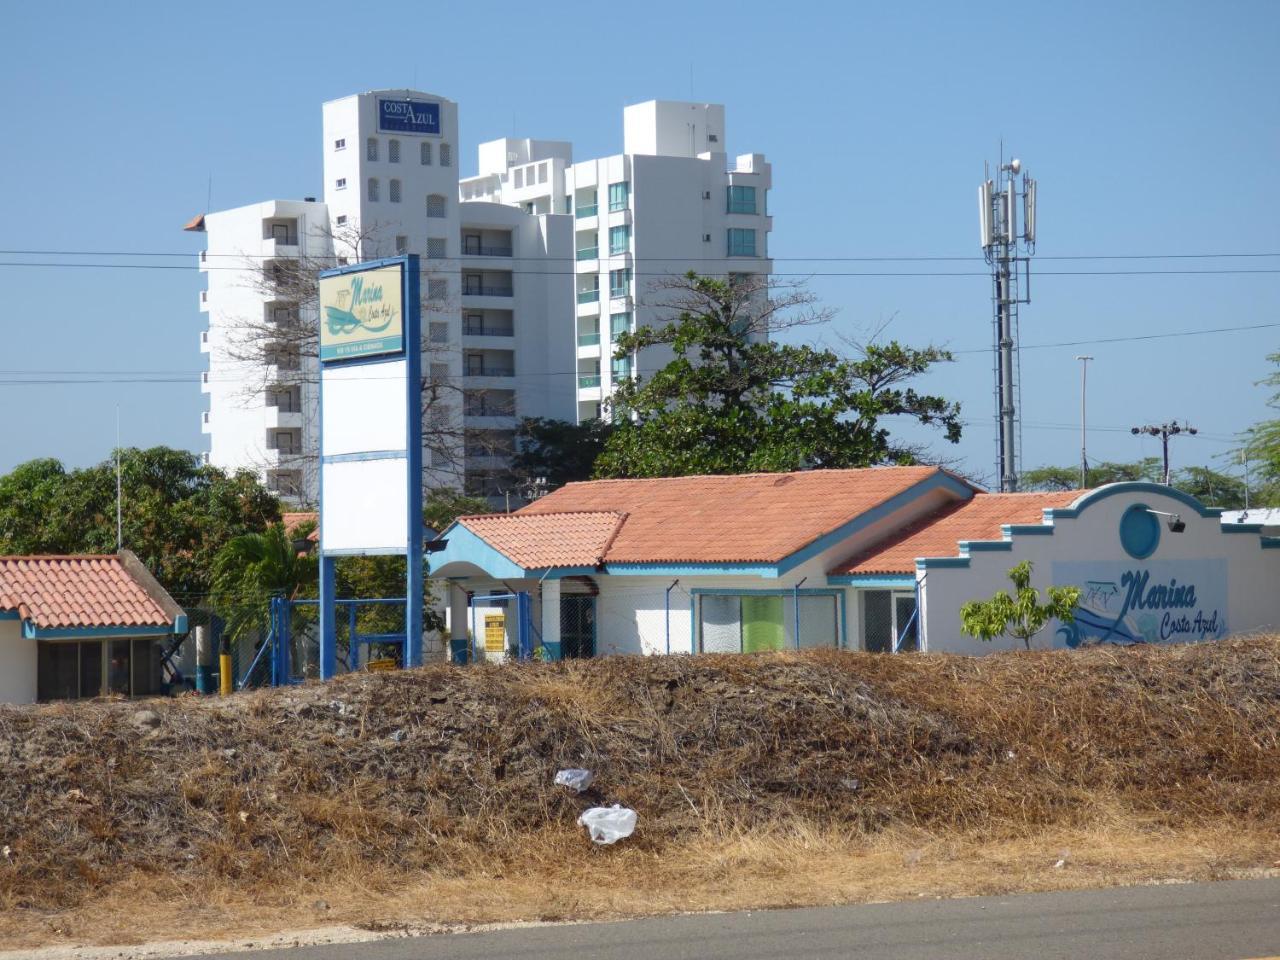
(577, 626)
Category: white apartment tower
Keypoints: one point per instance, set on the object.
(669, 203)
(530, 269)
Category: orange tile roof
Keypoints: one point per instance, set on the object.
(293, 520)
(563, 539)
(76, 591)
(751, 518)
(938, 534)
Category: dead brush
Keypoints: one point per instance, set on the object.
(738, 766)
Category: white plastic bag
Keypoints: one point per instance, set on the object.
(575, 779)
(608, 824)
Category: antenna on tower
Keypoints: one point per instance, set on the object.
(1008, 248)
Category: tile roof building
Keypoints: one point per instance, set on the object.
(78, 626)
(877, 559)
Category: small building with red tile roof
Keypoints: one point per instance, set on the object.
(82, 626)
(878, 559)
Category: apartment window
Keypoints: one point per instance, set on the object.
(436, 248)
(518, 178)
(619, 323)
(542, 173)
(622, 369)
(373, 189)
(889, 622)
(619, 239)
(619, 282)
(446, 155)
(341, 220)
(568, 204)
(742, 199)
(402, 244)
(742, 243)
(340, 183)
(438, 332)
(394, 191)
(424, 153)
(340, 144)
(618, 195)
(435, 206)
(439, 372)
(752, 623)
(393, 151)
(371, 149)
(437, 289)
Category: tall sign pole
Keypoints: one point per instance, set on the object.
(1084, 456)
(1008, 247)
(370, 435)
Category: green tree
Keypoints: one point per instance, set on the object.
(732, 399)
(1261, 445)
(177, 512)
(250, 569)
(1021, 615)
(557, 450)
(1209, 486)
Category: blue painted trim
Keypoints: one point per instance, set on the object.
(362, 552)
(1148, 531)
(766, 570)
(872, 581)
(180, 624)
(935, 563)
(559, 573)
(1027, 529)
(937, 481)
(844, 619)
(366, 455)
(10, 615)
(1254, 528)
(979, 546)
(734, 592)
(1133, 486)
(31, 632)
(465, 546)
(1271, 543)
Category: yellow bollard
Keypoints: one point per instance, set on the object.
(224, 663)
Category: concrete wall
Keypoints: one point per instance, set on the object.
(1086, 551)
(17, 664)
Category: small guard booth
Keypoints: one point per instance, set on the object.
(74, 627)
(878, 559)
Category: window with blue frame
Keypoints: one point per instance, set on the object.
(622, 369)
(619, 193)
(742, 243)
(742, 199)
(757, 621)
(619, 323)
(620, 282)
(619, 239)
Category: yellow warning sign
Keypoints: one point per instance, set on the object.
(381, 665)
(495, 633)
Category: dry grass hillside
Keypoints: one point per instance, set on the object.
(759, 780)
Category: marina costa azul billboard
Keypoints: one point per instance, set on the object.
(419, 117)
(362, 314)
(1156, 601)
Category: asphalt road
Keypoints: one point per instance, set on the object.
(1216, 921)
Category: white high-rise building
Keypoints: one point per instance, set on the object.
(669, 203)
(530, 269)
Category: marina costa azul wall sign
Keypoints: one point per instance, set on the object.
(362, 314)
(1166, 601)
(419, 117)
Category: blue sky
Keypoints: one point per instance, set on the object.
(1151, 128)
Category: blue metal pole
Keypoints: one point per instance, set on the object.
(328, 614)
(796, 605)
(353, 638)
(414, 555)
(668, 617)
(286, 640)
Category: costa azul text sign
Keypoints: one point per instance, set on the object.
(362, 314)
(420, 117)
(1158, 601)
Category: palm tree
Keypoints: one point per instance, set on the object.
(251, 569)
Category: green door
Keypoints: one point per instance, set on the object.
(761, 624)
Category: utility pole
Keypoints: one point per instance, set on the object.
(1164, 431)
(1244, 459)
(1008, 248)
(1084, 457)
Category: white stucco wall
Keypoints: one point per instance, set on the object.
(17, 664)
(1091, 542)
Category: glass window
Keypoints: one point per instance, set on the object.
(91, 669)
(622, 369)
(439, 332)
(518, 177)
(619, 239)
(619, 323)
(424, 153)
(542, 173)
(373, 189)
(393, 194)
(905, 623)
(146, 668)
(57, 671)
(340, 144)
(437, 289)
(340, 183)
(721, 625)
(371, 149)
(761, 624)
(402, 244)
(435, 205)
(618, 194)
(393, 151)
(342, 220)
(436, 248)
(619, 282)
(119, 668)
(742, 243)
(446, 155)
(742, 199)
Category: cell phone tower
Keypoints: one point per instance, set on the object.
(1008, 247)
